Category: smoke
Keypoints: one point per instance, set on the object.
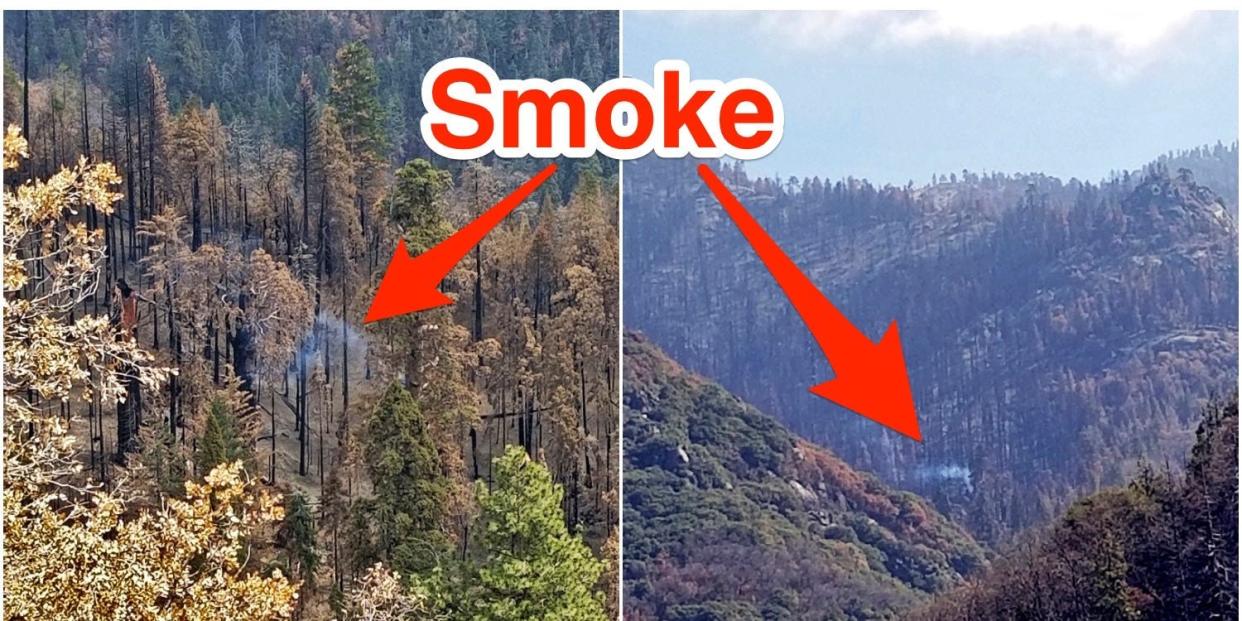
(947, 472)
(327, 331)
